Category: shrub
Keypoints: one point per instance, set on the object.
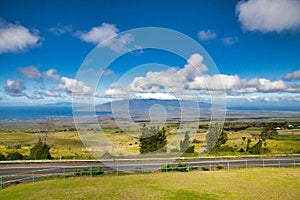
(195, 141)
(181, 167)
(226, 148)
(138, 170)
(2, 157)
(190, 149)
(219, 166)
(77, 172)
(89, 171)
(40, 150)
(166, 168)
(14, 156)
(82, 172)
(204, 168)
(256, 149)
(153, 139)
(85, 171)
(98, 171)
(72, 129)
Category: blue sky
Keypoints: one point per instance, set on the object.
(254, 46)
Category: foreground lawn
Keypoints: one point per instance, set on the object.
(253, 183)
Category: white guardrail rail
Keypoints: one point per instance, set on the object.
(148, 159)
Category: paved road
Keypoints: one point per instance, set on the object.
(32, 172)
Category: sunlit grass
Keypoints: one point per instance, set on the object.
(67, 144)
(254, 183)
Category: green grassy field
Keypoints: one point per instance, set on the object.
(66, 144)
(63, 144)
(251, 183)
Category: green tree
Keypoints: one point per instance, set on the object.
(260, 147)
(153, 139)
(14, 156)
(2, 157)
(222, 139)
(185, 143)
(268, 132)
(212, 136)
(257, 148)
(40, 150)
(248, 144)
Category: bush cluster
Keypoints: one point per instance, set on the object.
(88, 172)
(181, 167)
(39, 151)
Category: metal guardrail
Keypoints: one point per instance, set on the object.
(148, 159)
(32, 175)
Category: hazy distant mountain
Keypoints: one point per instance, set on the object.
(59, 104)
(65, 104)
(137, 106)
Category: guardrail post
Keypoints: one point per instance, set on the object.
(263, 163)
(91, 171)
(166, 167)
(246, 164)
(1, 183)
(278, 163)
(294, 163)
(142, 169)
(227, 165)
(188, 167)
(33, 176)
(117, 170)
(64, 172)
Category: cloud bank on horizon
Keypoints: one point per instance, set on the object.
(33, 82)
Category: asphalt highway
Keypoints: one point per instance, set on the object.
(32, 172)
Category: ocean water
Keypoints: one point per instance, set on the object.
(33, 112)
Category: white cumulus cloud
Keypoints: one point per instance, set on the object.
(155, 81)
(60, 29)
(269, 15)
(73, 86)
(172, 79)
(229, 40)
(100, 34)
(234, 84)
(194, 67)
(31, 72)
(14, 88)
(15, 37)
(49, 93)
(207, 34)
(217, 82)
(265, 85)
(115, 92)
(51, 73)
(292, 76)
(158, 95)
